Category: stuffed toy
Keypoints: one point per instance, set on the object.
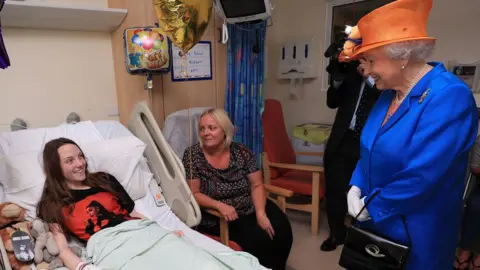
(43, 240)
(354, 39)
(56, 262)
(5, 235)
(9, 214)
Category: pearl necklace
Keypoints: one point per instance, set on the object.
(417, 78)
(397, 101)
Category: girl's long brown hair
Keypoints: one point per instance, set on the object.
(56, 194)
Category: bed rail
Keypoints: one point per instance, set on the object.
(165, 165)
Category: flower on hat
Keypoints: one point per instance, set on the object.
(354, 39)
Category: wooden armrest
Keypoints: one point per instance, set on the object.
(278, 190)
(308, 168)
(214, 212)
(224, 236)
(313, 154)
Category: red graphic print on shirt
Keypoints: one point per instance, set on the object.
(94, 213)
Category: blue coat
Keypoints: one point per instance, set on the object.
(418, 162)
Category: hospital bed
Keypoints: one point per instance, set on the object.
(167, 198)
(178, 125)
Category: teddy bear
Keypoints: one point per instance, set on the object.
(354, 39)
(12, 218)
(45, 246)
(10, 212)
(55, 261)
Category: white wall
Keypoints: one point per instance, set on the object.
(53, 73)
(455, 26)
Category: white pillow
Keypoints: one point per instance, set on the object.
(23, 171)
(35, 139)
(121, 158)
(23, 181)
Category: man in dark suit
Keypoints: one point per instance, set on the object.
(353, 96)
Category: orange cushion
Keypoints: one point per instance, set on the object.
(300, 182)
(231, 244)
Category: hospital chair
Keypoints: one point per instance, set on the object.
(280, 168)
(281, 195)
(157, 183)
(176, 132)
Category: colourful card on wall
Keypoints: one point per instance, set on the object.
(146, 50)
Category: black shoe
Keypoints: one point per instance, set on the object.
(331, 243)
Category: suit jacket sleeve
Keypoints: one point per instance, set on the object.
(446, 130)
(358, 177)
(335, 96)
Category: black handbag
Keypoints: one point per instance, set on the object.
(365, 250)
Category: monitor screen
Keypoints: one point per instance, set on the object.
(242, 8)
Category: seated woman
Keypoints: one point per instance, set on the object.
(225, 176)
(95, 208)
(470, 234)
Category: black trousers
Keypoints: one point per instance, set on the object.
(339, 168)
(254, 240)
(470, 237)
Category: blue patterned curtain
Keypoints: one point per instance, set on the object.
(245, 93)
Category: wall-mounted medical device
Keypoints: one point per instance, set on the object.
(238, 11)
(298, 60)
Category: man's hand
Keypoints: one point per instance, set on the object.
(335, 70)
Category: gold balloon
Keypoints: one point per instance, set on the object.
(184, 21)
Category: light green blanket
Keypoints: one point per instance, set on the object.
(143, 244)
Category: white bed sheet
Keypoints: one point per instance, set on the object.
(164, 216)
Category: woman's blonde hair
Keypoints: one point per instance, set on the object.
(223, 121)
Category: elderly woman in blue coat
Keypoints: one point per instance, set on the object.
(416, 141)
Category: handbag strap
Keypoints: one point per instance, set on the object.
(355, 219)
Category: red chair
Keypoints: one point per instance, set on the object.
(279, 163)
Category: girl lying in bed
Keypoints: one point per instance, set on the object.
(95, 208)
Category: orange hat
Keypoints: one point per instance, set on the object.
(398, 21)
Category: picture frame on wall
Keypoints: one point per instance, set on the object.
(196, 67)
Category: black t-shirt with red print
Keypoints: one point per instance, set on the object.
(95, 209)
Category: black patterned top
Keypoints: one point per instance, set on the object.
(230, 186)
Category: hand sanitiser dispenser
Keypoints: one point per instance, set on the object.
(298, 61)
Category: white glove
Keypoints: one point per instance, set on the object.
(353, 201)
(364, 215)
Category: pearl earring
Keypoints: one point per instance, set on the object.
(403, 67)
